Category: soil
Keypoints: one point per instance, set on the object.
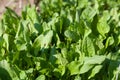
(16, 5)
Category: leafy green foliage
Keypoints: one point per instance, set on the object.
(66, 40)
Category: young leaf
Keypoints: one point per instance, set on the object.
(74, 67)
(52, 58)
(72, 35)
(47, 38)
(41, 77)
(1, 42)
(95, 70)
(37, 44)
(85, 68)
(109, 41)
(89, 48)
(102, 26)
(95, 60)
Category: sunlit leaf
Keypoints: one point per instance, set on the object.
(74, 67)
(95, 70)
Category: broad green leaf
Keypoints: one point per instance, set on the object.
(41, 77)
(95, 70)
(38, 28)
(32, 14)
(20, 46)
(82, 3)
(30, 70)
(4, 74)
(63, 69)
(106, 15)
(6, 71)
(26, 31)
(87, 31)
(74, 67)
(12, 13)
(60, 71)
(33, 19)
(22, 37)
(112, 68)
(42, 41)
(88, 13)
(80, 27)
(118, 39)
(52, 58)
(23, 75)
(45, 71)
(1, 42)
(77, 77)
(37, 44)
(89, 48)
(19, 31)
(47, 38)
(99, 44)
(64, 52)
(85, 68)
(109, 42)
(2, 29)
(95, 60)
(6, 38)
(71, 35)
(60, 59)
(103, 27)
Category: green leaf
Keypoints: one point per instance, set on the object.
(88, 13)
(77, 77)
(103, 27)
(23, 75)
(66, 40)
(20, 47)
(41, 77)
(1, 42)
(37, 44)
(109, 42)
(47, 38)
(89, 48)
(32, 14)
(87, 31)
(12, 12)
(6, 38)
(74, 67)
(42, 41)
(2, 29)
(85, 68)
(60, 71)
(37, 41)
(60, 59)
(112, 68)
(4, 74)
(90, 62)
(82, 3)
(72, 35)
(95, 70)
(26, 31)
(95, 60)
(6, 71)
(52, 58)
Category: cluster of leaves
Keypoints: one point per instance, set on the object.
(67, 40)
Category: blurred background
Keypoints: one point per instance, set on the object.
(16, 5)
